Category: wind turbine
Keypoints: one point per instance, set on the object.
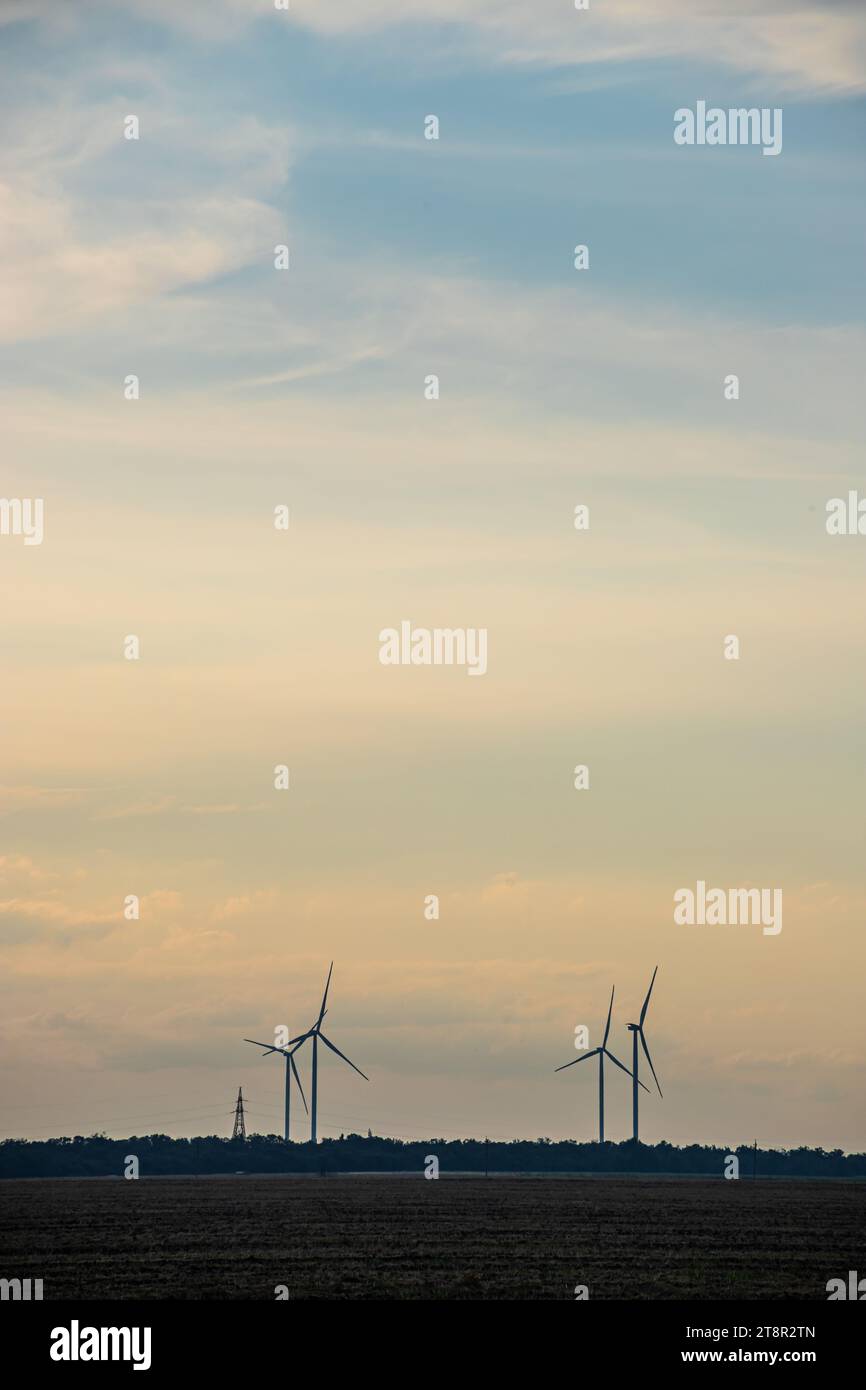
(318, 1036)
(636, 1030)
(291, 1070)
(601, 1053)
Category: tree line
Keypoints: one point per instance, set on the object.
(97, 1155)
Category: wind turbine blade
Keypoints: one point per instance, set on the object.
(323, 1039)
(586, 1055)
(323, 1010)
(649, 1059)
(269, 1047)
(298, 1079)
(622, 1068)
(648, 993)
(609, 1012)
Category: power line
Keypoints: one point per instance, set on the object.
(331, 1121)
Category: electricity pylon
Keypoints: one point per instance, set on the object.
(240, 1129)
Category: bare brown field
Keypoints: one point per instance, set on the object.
(379, 1237)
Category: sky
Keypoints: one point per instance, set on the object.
(261, 387)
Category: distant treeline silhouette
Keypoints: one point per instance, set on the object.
(158, 1154)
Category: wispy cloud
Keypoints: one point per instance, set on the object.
(24, 798)
(811, 47)
(123, 222)
(798, 45)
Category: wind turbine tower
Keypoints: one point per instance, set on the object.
(291, 1070)
(636, 1030)
(295, 1044)
(315, 1033)
(601, 1053)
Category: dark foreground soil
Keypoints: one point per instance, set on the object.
(409, 1238)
